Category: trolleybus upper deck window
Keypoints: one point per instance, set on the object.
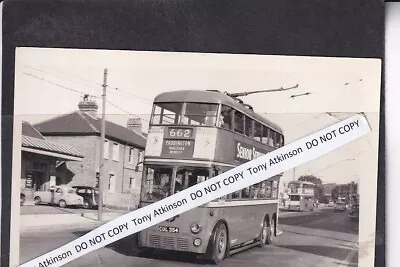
(248, 126)
(200, 114)
(166, 113)
(239, 122)
(226, 117)
(258, 131)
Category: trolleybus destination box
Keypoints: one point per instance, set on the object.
(178, 142)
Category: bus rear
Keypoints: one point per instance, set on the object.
(301, 196)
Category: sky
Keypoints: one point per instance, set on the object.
(51, 82)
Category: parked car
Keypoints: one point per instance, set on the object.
(90, 196)
(340, 206)
(61, 195)
(21, 199)
(354, 212)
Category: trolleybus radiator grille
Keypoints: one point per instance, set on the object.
(182, 243)
(167, 242)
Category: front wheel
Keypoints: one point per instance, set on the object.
(220, 244)
(37, 200)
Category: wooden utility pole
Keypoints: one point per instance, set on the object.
(294, 174)
(103, 135)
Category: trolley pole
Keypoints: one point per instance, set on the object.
(101, 164)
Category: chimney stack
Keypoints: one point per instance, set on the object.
(135, 124)
(89, 106)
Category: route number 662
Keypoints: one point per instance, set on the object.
(179, 133)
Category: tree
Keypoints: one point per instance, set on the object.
(344, 190)
(310, 178)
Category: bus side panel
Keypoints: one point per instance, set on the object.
(226, 145)
(258, 214)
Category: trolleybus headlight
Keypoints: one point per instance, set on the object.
(195, 228)
(197, 242)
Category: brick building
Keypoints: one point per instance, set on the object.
(39, 158)
(123, 149)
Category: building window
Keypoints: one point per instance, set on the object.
(130, 156)
(140, 156)
(115, 151)
(131, 182)
(106, 150)
(111, 183)
(139, 163)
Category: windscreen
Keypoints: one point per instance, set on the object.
(204, 114)
(158, 182)
(295, 198)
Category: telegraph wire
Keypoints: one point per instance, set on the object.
(83, 94)
(97, 83)
(59, 85)
(66, 76)
(339, 162)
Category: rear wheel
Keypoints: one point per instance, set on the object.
(220, 244)
(62, 203)
(263, 234)
(271, 231)
(86, 204)
(37, 200)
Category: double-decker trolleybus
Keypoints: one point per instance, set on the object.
(193, 136)
(301, 195)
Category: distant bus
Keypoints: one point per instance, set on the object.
(301, 195)
(193, 136)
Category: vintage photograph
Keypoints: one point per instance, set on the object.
(100, 133)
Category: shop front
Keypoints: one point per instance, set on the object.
(39, 159)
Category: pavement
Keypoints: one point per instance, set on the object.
(48, 218)
(44, 217)
(321, 239)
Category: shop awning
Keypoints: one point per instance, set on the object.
(48, 148)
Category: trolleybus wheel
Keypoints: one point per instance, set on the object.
(219, 247)
(263, 234)
(271, 231)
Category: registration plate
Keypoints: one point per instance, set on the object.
(168, 229)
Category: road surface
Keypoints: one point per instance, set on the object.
(48, 209)
(323, 238)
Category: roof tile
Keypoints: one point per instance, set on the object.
(41, 144)
(81, 123)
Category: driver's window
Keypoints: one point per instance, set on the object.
(59, 190)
